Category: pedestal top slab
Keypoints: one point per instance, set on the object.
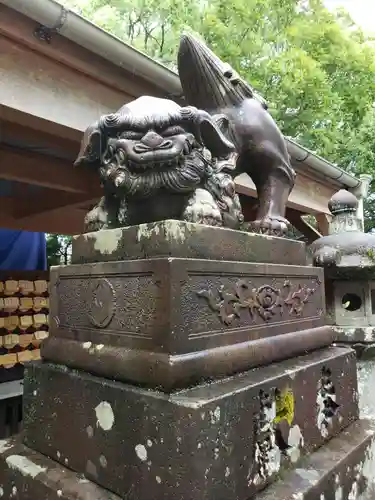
(173, 238)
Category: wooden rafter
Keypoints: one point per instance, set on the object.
(49, 202)
(40, 170)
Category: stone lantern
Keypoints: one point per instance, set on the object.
(348, 256)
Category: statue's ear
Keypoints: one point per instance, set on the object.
(91, 147)
(214, 139)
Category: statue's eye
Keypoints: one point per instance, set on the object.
(168, 132)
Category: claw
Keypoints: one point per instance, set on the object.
(273, 226)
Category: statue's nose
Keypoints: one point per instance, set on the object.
(152, 139)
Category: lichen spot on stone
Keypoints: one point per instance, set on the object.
(103, 461)
(90, 431)
(146, 231)
(59, 493)
(4, 446)
(215, 415)
(227, 472)
(1, 492)
(107, 242)
(87, 345)
(24, 465)
(158, 479)
(35, 393)
(14, 490)
(99, 347)
(141, 452)
(105, 417)
(149, 443)
(338, 493)
(175, 230)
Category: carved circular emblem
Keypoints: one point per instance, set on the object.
(101, 300)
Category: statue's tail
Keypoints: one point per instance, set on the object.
(207, 82)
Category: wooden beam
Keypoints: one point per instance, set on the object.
(65, 221)
(41, 170)
(10, 132)
(295, 218)
(50, 201)
(323, 224)
(19, 28)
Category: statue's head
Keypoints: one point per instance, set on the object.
(154, 143)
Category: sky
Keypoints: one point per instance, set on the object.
(362, 11)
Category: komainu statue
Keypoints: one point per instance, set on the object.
(156, 161)
(210, 84)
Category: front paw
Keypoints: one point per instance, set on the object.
(270, 225)
(202, 209)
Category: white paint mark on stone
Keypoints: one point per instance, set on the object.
(66, 461)
(105, 417)
(322, 496)
(24, 465)
(106, 242)
(216, 453)
(59, 493)
(199, 446)
(203, 415)
(227, 472)
(14, 490)
(35, 393)
(1, 491)
(149, 443)
(87, 345)
(58, 454)
(141, 452)
(158, 479)
(99, 347)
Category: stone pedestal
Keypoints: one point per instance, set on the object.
(188, 378)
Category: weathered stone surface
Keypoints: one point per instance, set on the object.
(352, 335)
(173, 238)
(172, 322)
(203, 443)
(28, 475)
(342, 469)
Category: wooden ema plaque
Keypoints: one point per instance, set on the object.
(24, 310)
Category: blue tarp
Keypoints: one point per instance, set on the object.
(22, 251)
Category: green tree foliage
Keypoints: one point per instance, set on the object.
(316, 68)
(58, 249)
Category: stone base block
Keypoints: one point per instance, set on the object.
(172, 238)
(28, 475)
(344, 469)
(170, 323)
(227, 439)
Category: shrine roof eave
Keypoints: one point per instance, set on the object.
(50, 13)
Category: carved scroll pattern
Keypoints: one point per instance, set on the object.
(264, 302)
